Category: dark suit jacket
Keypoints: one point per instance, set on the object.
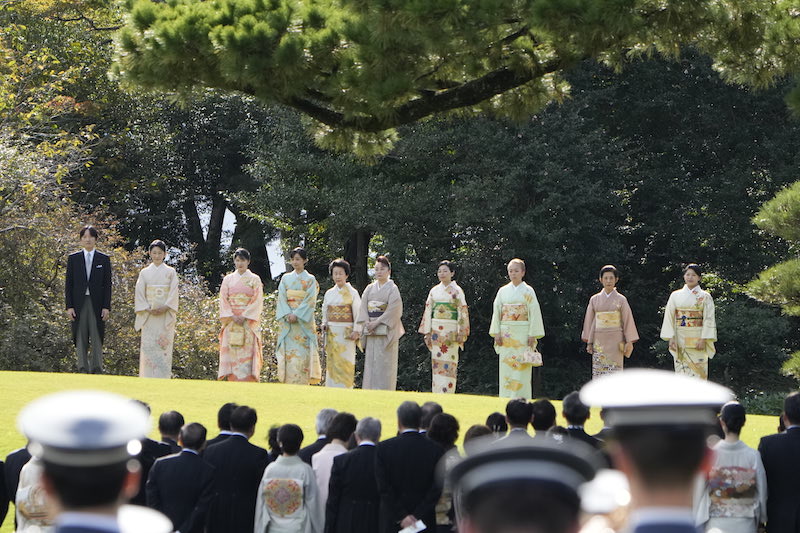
(581, 435)
(239, 467)
(353, 499)
(780, 454)
(308, 452)
(405, 469)
(666, 527)
(516, 436)
(99, 284)
(3, 495)
(216, 440)
(182, 486)
(174, 447)
(151, 450)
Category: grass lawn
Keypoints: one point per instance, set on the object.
(276, 403)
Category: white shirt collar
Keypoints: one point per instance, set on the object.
(410, 431)
(651, 515)
(190, 451)
(366, 443)
(236, 433)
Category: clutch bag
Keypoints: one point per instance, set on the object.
(236, 335)
(531, 357)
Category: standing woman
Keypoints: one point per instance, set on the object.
(379, 319)
(156, 304)
(339, 311)
(297, 352)
(516, 327)
(445, 324)
(241, 300)
(689, 325)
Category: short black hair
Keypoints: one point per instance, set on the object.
(448, 264)
(92, 231)
(734, 416)
(543, 415)
(170, 423)
(243, 253)
(243, 419)
(664, 456)
(791, 407)
(497, 422)
(341, 263)
(609, 268)
(290, 437)
(342, 426)
(79, 487)
(518, 412)
(224, 415)
(444, 430)
(193, 436)
(693, 266)
(575, 411)
(158, 243)
(429, 410)
(299, 251)
(409, 415)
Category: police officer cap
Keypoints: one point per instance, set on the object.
(84, 428)
(644, 397)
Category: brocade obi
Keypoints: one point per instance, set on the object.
(445, 311)
(514, 313)
(340, 313)
(376, 308)
(156, 295)
(607, 319)
(295, 297)
(689, 318)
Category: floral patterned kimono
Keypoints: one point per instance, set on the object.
(339, 312)
(607, 327)
(240, 356)
(297, 352)
(156, 286)
(446, 319)
(515, 317)
(688, 317)
(381, 302)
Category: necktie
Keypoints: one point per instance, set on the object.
(89, 265)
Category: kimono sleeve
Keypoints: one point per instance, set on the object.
(140, 295)
(427, 315)
(283, 308)
(256, 304)
(709, 320)
(761, 488)
(629, 331)
(668, 326)
(463, 314)
(356, 305)
(305, 311)
(262, 513)
(172, 297)
(394, 309)
(316, 516)
(497, 310)
(363, 315)
(587, 335)
(326, 301)
(535, 323)
(225, 309)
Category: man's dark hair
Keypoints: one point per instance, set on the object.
(791, 408)
(342, 426)
(575, 411)
(224, 415)
(193, 436)
(497, 423)
(243, 419)
(429, 410)
(170, 423)
(409, 415)
(518, 412)
(665, 456)
(290, 437)
(79, 487)
(543, 415)
(92, 231)
(444, 430)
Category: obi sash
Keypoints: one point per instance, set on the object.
(340, 313)
(156, 295)
(607, 319)
(376, 308)
(295, 297)
(688, 318)
(445, 311)
(514, 313)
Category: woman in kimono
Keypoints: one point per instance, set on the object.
(339, 311)
(379, 321)
(608, 328)
(297, 352)
(156, 304)
(445, 325)
(689, 325)
(516, 327)
(241, 300)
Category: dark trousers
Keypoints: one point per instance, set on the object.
(88, 333)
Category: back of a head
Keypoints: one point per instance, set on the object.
(518, 412)
(243, 419)
(444, 430)
(323, 420)
(290, 437)
(193, 436)
(475, 433)
(342, 426)
(791, 408)
(734, 416)
(497, 423)
(543, 415)
(575, 411)
(369, 428)
(224, 416)
(409, 415)
(170, 423)
(272, 437)
(429, 410)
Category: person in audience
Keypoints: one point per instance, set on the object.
(182, 485)
(543, 417)
(32, 504)
(223, 423)
(169, 425)
(272, 442)
(353, 499)
(518, 416)
(444, 432)
(150, 451)
(475, 434)
(238, 466)
(497, 423)
(288, 501)
(14, 463)
(604, 433)
(429, 410)
(321, 424)
(405, 468)
(339, 432)
(3, 494)
(577, 413)
(781, 459)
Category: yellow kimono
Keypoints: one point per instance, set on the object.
(689, 317)
(339, 313)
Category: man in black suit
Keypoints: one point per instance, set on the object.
(543, 417)
(405, 469)
(322, 422)
(239, 467)
(3, 494)
(169, 425)
(780, 454)
(577, 413)
(223, 423)
(151, 450)
(518, 416)
(429, 410)
(181, 486)
(88, 300)
(353, 499)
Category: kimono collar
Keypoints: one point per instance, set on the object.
(451, 284)
(696, 289)
(608, 294)
(379, 286)
(246, 272)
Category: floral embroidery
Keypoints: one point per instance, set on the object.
(283, 496)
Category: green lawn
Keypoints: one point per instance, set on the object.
(198, 401)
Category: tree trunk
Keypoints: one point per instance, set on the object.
(249, 234)
(356, 250)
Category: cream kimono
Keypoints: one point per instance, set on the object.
(446, 320)
(240, 349)
(339, 312)
(381, 303)
(297, 351)
(688, 318)
(608, 325)
(156, 286)
(515, 317)
(288, 500)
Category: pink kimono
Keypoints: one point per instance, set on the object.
(607, 327)
(240, 356)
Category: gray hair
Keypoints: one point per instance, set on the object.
(369, 428)
(323, 421)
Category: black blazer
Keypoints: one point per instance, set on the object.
(308, 452)
(239, 467)
(182, 486)
(99, 284)
(151, 450)
(353, 499)
(405, 469)
(3, 494)
(174, 447)
(780, 454)
(216, 440)
(581, 435)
